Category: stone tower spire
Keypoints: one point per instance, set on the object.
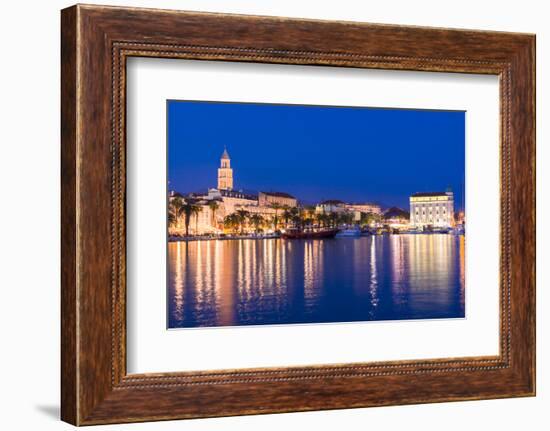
(225, 173)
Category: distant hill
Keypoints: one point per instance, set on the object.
(395, 212)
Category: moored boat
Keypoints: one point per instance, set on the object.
(351, 232)
(458, 230)
(309, 234)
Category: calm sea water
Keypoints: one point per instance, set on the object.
(276, 281)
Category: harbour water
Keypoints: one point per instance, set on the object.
(277, 281)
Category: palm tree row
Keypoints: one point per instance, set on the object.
(179, 208)
(283, 217)
(301, 218)
(237, 220)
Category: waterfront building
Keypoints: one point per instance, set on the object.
(268, 213)
(432, 209)
(225, 173)
(173, 194)
(283, 199)
(206, 217)
(356, 209)
(364, 208)
(330, 206)
(207, 220)
(396, 218)
(232, 199)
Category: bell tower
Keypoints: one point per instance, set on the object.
(225, 173)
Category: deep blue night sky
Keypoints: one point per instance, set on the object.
(317, 152)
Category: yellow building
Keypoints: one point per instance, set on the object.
(225, 173)
(232, 199)
(331, 206)
(269, 198)
(207, 218)
(364, 208)
(434, 209)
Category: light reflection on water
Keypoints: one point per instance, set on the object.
(275, 281)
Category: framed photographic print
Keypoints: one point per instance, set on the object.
(268, 215)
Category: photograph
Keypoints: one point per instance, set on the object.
(282, 214)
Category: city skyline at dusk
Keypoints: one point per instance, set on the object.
(318, 153)
(286, 214)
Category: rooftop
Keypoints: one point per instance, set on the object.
(428, 194)
(279, 195)
(238, 194)
(333, 202)
(372, 204)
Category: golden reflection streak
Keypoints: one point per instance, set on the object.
(224, 257)
(199, 279)
(462, 266)
(373, 289)
(397, 243)
(361, 278)
(259, 273)
(313, 272)
(430, 264)
(268, 263)
(308, 269)
(180, 268)
(277, 265)
(243, 294)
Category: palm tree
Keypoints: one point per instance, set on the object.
(232, 222)
(298, 220)
(257, 220)
(242, 215)
(276, 207)
(345, 218)
(368, 218)
(175, 210)
(213, 207)
(287, 214)
(310, 214)
(321, 219)
(171, 217)
(333, 219)
(189, 208)
(295, 216)
(197, 222)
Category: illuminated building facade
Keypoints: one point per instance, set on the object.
(266, 199)
(433, 209)
(232, 199)
(364, 208)
(225, 173)
(330, 206)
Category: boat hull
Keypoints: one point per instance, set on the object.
(324, 234)
(349, 233)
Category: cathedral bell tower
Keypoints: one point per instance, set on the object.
(225, 173)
